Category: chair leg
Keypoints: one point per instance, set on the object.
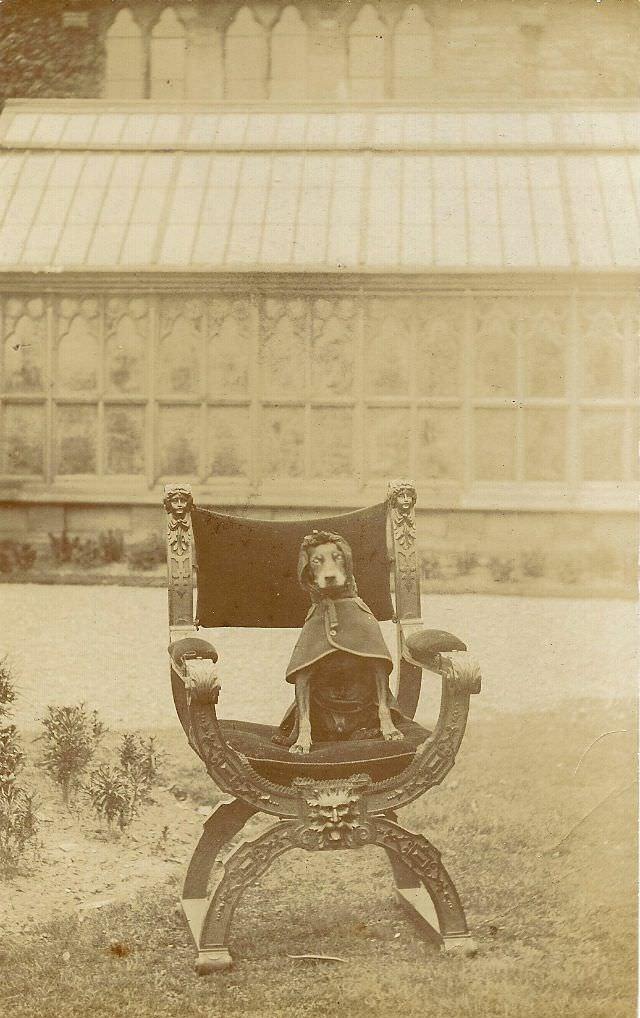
(225, 822)
(424, 888)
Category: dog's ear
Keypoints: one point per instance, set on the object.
(303, 567)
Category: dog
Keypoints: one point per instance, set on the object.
(340, 665)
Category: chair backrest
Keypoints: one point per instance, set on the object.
(247, 569)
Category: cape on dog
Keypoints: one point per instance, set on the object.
(340, 665)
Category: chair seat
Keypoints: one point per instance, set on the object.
(375, 757)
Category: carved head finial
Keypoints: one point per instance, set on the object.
(402, 495)
(178, 500)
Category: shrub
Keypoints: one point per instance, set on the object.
(87, 553)
(18, 819)
(502, 569)
(148, 553)
(16, 555)
(71, 739)
(111, 546)
(140, 757)
(466, 562)
(18, 823)
(533, 563)
(7, 688)
(114, 796)
(62, 547)
(430, 566)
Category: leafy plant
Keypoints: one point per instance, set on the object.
(141, 758)
(430, 567)
(114, 796)
(18, 818)
(111, 545)
(18, 823)
(71, 739)
(465, 562)
(502, 569)
(533, 563)
(63, 547)
(148, 553)
(18, 555)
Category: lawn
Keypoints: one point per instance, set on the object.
(536, 824)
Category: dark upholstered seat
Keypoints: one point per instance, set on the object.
(375, 757)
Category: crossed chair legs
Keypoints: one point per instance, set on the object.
(422, 883)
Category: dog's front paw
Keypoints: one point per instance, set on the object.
(392, 735)
(301, 746)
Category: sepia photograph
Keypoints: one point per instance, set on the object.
(319, 425)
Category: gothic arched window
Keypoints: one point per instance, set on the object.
(367, 55)
(412, 55)
(289, 56)
(168, 57)
(246, 58)
(124, 76)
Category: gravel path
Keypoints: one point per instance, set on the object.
(107, 646)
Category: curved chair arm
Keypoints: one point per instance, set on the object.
(424, 647)
(461, 679)
(196, 688)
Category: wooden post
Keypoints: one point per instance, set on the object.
(401, 500)
(178, 502)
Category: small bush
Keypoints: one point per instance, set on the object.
(466, 562)
(148, 553)
(111, 546)
(18, 823)
(7, 688)
(502, 569)
(18, 819)
(16, 556)
(62, 547)
(141, 758)
(430, 567)
(114, 796)
(71, 739)
(533, 563)
(87, 553)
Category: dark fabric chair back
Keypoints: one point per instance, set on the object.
(247, 569)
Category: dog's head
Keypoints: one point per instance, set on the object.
(325, 564)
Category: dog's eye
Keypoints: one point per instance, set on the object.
(338, 556)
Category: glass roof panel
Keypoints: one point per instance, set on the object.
(291, 129)
(277, 242)
(509, 128)
(416, 244)
(41, 243)
(211, 240)
(185, 205)
(177, 244)
(85, 205)
(620, 208)
(202, 130)
(67, 169)
(479, 128)
(321, 129)
(244, 243)
(193, 170)
(139, 244)
(10, 166)
(138, 128)
(167, 128)
(351, 128)
(20, 128)
(631, 127)
(74, 244)
(417, 204)
(107, 241)
(418, 129)
(96, 170)
(78, 129)
(148, 205)
(343, 245)
(54, 206)
(23, 205)
(36, 169)
(157, 170)
(126, 170)
(550, 228)
(388, 129)
(109, 128)
(589, 222)
(231, 129)
(11, 243)
(117, 205)
(49, 129)
(449, 210)
(447, 128)
(607, 129)
(539, 127)
(261, 129)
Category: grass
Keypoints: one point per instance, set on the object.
(547, 875)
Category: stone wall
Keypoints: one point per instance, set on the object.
(493, 50)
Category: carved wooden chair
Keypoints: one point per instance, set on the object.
(342, 795)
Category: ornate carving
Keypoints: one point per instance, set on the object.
(333, 812)
(402, 497)
(178, 502)
(465, 671)
(200, 681)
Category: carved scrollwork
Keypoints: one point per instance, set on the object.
(401, 498)
(465, 671)
(178, 502)
(200, 681)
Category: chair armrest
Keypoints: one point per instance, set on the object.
(193, 660)
(423, 647)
